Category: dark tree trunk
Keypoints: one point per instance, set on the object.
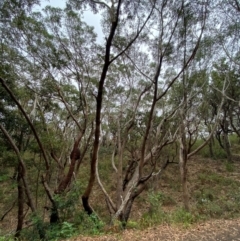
(20, 202)
(85, 197)
(210, 145)
(54, 216)
(226, 142)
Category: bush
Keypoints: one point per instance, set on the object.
(155, 214)
(132, 225)
(183, 217)
(6, 238)
(60, 231)
(90, 225)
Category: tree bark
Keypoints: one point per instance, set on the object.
(183, 173)
(75, 155)
(226, 142)
(85, 197)
(20, 202)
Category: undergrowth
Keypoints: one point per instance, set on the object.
(214, 194)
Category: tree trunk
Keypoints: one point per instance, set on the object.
(54, 216)
(123, 218)
(183, 172)
(226, 142)
(20, 202)
(94, 160)
(210, 146)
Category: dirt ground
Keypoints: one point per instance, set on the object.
(216, 230)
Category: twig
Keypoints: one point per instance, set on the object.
(9, 210)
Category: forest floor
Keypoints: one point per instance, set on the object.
(216, 194)
(215, 230)
(214, 187)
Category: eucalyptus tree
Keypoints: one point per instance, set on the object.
(14, 128)
(228, 36)
(193, 83)
(119, 16)
(224, 71)
(81, 89)
(156, 36)
(51, 62)
(228, 31)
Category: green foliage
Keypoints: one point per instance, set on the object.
(156, 214)
(60, 231)
(152, 218)
(38, 228)
(51, 232)
(229, 166)
(214, 178)
(160, 198)
(9, 158)
(67, 203)
(4, 174)
(234, 139)
(218, 152)
(132, 224)
(219, 196)
(6, 238)
(90, 225)
(181, 216)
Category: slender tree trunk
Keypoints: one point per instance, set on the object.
(183, 173)
(226, 142)
(119, 170)
(210, 146)
(183, 169)
(211, 141)
(20, 202)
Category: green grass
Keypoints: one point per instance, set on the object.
(218, 196)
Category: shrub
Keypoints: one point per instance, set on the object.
(62, 230)
(182, 216)
(6, 238)
(88, 224)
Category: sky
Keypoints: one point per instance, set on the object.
(90, 18)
